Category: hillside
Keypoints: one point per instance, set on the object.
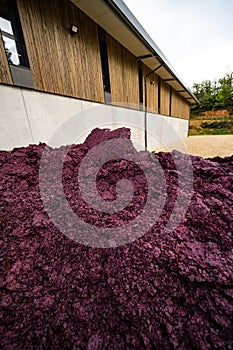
(218, 122)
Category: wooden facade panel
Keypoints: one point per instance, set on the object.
(123, 71)
(115, 58)
(71, 65)
(5, 74)
(152, 90)
(62, 63)
(165, 99)
(180, 107)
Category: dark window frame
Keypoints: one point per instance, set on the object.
(20, 72)
(170, 102)
(104, 64)
(11, 14)
(159, 95)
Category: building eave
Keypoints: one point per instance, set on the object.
(116, 18)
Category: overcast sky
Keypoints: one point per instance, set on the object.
(196, 36)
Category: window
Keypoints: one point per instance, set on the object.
(140, 79)
(104, 64)
(9, 42)
(12, 35)
(170, 106)
(13, 41)
(159, 95)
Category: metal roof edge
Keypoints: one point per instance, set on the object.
(121, 10)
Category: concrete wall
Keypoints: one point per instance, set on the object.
(29, 116)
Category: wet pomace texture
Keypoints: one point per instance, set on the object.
(165, 290)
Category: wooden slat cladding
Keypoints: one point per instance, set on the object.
(62, 63)
(152, 90)
(123, 70)
(5, 74)
(180, 107)
(165, 98)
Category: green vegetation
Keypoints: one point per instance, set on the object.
(217, 124)
(211, 125)
(214, 95)
(214, 115)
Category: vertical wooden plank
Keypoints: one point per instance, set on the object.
(180, 107)
(5, 74)
(152, 90)
(123, 70)
(165, 98)
(62, 63)
(174, 111)
(115, 58)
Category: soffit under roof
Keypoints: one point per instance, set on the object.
(101, 13)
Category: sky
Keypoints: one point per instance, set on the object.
(196, 36)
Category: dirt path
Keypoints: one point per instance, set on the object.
(206, 146)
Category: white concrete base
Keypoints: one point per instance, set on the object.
(29, 116)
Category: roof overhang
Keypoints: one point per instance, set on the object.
(115, 17)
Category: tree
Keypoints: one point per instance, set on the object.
(214, 95)
(224, 98)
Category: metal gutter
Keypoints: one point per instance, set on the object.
(123, 12)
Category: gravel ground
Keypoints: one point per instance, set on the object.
(206, 146)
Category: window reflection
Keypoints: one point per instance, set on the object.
(9, 42)
(5, 26)
(12, 40)
(11, 50)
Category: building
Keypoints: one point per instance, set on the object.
(59, 57)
